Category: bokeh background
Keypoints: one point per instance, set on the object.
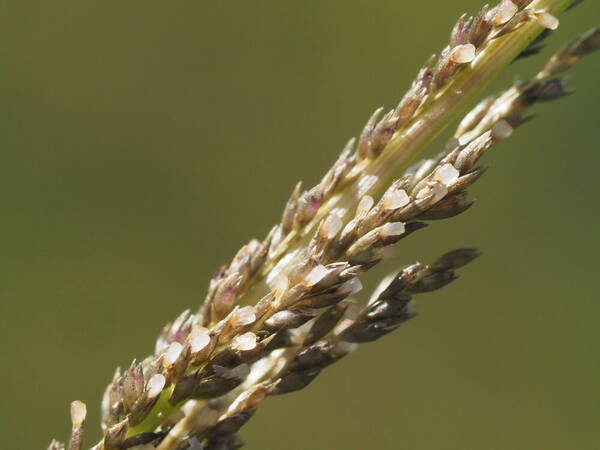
(144, 141)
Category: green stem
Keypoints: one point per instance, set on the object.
(160, 412)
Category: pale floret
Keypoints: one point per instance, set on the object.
(236, 403)
(258, 370)
(364, 206)
(280, 316)
(245, 342)
(243, 316)
(78, 413)
(463, 54)
(155, 385)
(393, 229)
(280, 284)
(200, 340)
(425, 167)
(173, 352)
(282, 267)
(504, 12)
(546, 20)
(349, 227)
(331, 226)
(316, 275)
(340, 212)
(502, 130)
(352, 286)
(437, 190)
(446, 174)
(395, 199)
(383, 284)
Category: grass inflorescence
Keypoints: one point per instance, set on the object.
(284, 309)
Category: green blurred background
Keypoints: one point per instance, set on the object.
(145, 141)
